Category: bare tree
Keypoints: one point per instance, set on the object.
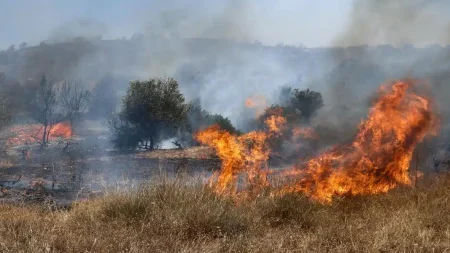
(45, 109)
(74, 100)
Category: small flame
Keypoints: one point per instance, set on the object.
(61, 130)
(258, 102)
(29, 134)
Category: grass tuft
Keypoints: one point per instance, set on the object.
(182, 215)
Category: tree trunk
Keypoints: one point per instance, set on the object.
(71, 121)
(152, 142)
(44, 136)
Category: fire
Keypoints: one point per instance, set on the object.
(379, 157)
(375, 162)
(307, 133)
(247, 153)
(61, 130)
(257, 102)
(33, 132)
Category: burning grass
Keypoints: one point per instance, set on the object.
(32, 133)
(182, 215)
(377, 160)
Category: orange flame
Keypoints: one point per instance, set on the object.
(248, 152)
(257, 102)
(61, 130)
(379, 157)
(377, 160)
(307, 133)
(33, 132)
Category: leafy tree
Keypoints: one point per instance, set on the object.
(196, 119)
(196, 116)
(125, 135)
(155, 107)
(224, 123)
(5, 111)
(307, 102)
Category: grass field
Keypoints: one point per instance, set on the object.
(182, 215)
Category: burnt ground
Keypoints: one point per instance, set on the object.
(85, 166)
(65, 179)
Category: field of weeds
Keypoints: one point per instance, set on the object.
(183, 215)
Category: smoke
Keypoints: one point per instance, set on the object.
(418, 22)
(209, 49)
(386, 40)
(86, 28)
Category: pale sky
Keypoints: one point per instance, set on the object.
(307, 22)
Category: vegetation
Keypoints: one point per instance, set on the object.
(150, 110)
(74, 100)
(183, 216)
(5, 111)
(197, 119)
(44, 107)
(297, 106)
(306, 102)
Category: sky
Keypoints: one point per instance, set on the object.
(294, 22)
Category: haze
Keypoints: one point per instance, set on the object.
(311, 23)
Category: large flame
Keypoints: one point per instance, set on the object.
(379, 157)
(376, 161)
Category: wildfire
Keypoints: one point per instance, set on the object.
(379, 157)
(376, 161)
(257, 102)
(307, 133)
(61, 130)
(247, 153)
(33, 132)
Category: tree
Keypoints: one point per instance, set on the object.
(5, 111)
(74, 99)
(285, 95)
(224, 123)
(155, 107)
(196, 119)
(125, 135)
(196, 115)
(307, 102)
(44, 108)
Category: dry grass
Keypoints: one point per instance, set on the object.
(184, 216)
(200, 152)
